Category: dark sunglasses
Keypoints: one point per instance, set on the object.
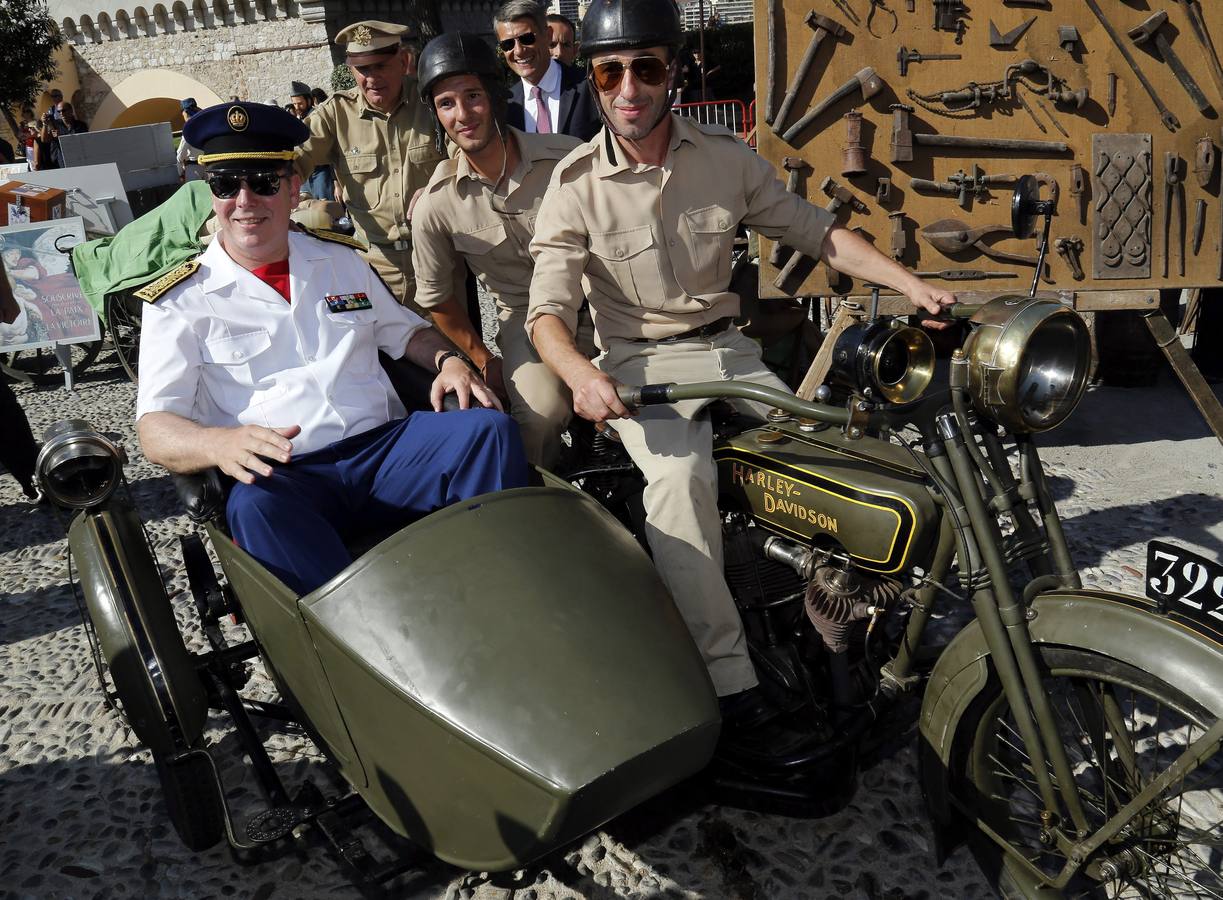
(527, 39)
(647, 69)
(226, 186)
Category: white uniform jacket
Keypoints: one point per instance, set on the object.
(223, 348)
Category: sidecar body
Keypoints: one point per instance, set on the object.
(493, 680)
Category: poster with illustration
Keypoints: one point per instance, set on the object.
(53, 309)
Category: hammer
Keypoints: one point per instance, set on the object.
(823, 26)
(903, 140)
(840, 196)
(865, 79)
(796, 167)
(1149, 30)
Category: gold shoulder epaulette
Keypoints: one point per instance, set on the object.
(155, 289)
(336, 238)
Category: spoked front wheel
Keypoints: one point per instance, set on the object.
(1122, 727)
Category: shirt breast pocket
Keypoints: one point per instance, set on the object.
(363, 175)
(354, 336)
(488, 242)
(240, 359)
(711, 231)
(628, 262)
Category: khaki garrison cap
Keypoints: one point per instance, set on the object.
(371, 37)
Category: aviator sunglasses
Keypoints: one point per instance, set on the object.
(526, 39)
(647, 69)
(225, 186)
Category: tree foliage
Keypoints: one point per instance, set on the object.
(30, 38)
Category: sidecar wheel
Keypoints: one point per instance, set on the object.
(1122, 727)
(193, 797)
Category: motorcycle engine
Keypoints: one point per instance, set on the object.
(838, 598)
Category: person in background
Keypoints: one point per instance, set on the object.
(318, 95)
(411, 52)
(188, 168)
(300, 101)
(18, 450)
(564, 39)
(68, 124)
(57, 102)
(548, 96)
(321, 183)
(46, 137)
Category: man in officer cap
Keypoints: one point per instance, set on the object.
(645, 215)
(378, 140)
(261, 358)
(480, 208)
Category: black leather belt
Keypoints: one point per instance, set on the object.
(717, 326)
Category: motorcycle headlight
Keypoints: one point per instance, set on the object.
(880, 361)
(78, 468)
(1027, 362)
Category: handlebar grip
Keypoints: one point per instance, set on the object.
(645, 395)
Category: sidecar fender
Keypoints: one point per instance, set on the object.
(161, 693)
(1121, 626)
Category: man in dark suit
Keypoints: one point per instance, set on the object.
(548, 96)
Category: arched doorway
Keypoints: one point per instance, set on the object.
(150, 96)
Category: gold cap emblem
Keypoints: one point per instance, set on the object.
(237, 118)
(362, 35)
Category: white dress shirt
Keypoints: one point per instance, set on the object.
(223, 348)
(550, 90)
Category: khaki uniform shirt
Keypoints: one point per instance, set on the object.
(650, 246)
(380, 159)
(455, 221)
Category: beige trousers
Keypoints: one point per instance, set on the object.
(673, 447)
(539, 401)
(395, 268)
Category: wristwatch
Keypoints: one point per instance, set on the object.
(441, 361)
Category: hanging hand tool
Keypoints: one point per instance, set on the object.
(1174, 195)
(1008, 40)
(844, 7)
(876, 6)
(900, 242)
(947, 17)
(824, 27)
(962, 185)
(839, 196)
(1112, 94)
(883, 189)
(864, 79)
(1031, 112)
(1078, 187)
(795, 167)
(965, 275)
(770, 84)
(853, 155)
(906, 56)
(903, 140)
(1149, 31)
(1204, 161)
(1198, 25)
(1071, 250)
(1067, 38)
(951, 236)
(1048, 112)
(1199, 225)
(1170, 121)
(1059, 92)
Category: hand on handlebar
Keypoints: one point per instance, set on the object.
(596, 397)
(936, 301)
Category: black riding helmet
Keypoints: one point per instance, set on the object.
(630, 24)
(454, 53)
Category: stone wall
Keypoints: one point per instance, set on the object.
(254, 61)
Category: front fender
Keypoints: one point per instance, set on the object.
(1121, 626)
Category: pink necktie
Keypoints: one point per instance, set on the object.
(543, 119)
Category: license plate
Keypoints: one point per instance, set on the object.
(1185, 583)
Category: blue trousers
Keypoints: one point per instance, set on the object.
(295, 520)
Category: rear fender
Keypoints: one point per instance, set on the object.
(162, 695)
(1121, 626)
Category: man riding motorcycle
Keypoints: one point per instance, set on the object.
(644, 215)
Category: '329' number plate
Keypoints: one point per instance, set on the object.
(1186, 583)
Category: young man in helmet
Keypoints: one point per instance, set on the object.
(261, 358)
(479, 208)
(644, 215)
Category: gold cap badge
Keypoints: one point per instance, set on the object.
(237, 118)
(362, 35)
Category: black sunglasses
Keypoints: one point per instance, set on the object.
(225, 186)
(647, 69)
(527, 39)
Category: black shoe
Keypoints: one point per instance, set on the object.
(757, 732)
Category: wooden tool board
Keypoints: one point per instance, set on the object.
(1087, 65)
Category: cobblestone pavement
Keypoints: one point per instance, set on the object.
(80, 810)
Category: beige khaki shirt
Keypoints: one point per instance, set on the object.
(379, 159)
(650, 246)
(455, 220)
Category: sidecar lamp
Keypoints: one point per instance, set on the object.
(1027, 362)
(78, 468)
(879, 360)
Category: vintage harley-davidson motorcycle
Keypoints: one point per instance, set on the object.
(1071, 736)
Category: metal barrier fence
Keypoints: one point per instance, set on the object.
(732, 114)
